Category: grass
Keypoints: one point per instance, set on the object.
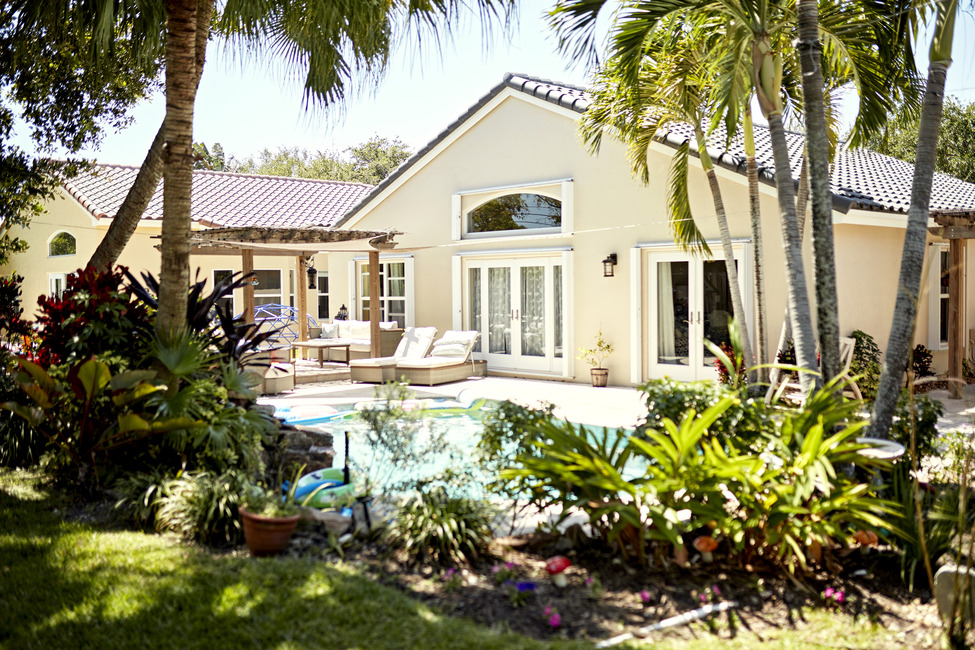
(68, 585)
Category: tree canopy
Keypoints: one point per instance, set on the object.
(899, 139)
(65, 101)
(369, 162)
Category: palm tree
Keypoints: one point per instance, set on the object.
(671, 89)
(762, 29)
(912, 257)
(333, 41)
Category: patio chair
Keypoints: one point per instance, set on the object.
(781, 381)
(415, 344)
(450, 360)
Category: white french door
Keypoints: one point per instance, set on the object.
(691, 302)
(516, 305)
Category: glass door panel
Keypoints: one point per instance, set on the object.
(533, 311)
(499, 310)
(691, 302)
(517, 307)
(716, 305)
(673, 293)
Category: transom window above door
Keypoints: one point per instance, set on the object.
(530, 210)
(522, 211)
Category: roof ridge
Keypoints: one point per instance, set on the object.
(105, 165)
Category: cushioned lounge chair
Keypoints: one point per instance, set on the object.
(449, 360)
(415, 344)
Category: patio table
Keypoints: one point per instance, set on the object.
(321, 345)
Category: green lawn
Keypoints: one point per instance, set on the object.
(68, 585)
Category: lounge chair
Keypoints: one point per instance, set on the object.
(450, 360)
(780, 381)
(415, 344)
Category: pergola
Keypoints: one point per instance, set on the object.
(956, 227)
(303, 243)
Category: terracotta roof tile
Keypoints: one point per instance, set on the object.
(225, 199)
(860, 178)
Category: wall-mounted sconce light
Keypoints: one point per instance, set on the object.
(609, 265)
(312, 273)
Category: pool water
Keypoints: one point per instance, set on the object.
(458, 424)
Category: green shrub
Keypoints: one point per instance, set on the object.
(203, 507)
(924, 415)
(745, 420)
(921, 358)
(139, 495)
(432, 525)
(939, 507)
(509, 431)
(866, 364)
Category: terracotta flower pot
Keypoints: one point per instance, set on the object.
(600, 377)
(267, 535)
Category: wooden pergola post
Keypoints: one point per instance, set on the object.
(375, 345)
(247, 262)
(301, 283)
(956, 255)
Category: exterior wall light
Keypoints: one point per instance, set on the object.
(343, 314)
(609, 265)
(312, 274)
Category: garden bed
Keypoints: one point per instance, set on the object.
(876, 610)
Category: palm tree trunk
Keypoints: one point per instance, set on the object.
(174, 272)
(912, 257)
(729, 255)
(798, 297)
(761, 317)
(802, 198)
(817, 151)
(126, 220)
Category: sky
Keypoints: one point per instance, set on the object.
(247, 106)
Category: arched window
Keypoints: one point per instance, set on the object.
(516, 212)
(62, 244)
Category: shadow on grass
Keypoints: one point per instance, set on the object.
(68, 585)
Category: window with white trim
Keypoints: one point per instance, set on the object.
(227, 302)
(57, 282)
(938, 302)
(395, 290)
(267, 291)
(62, 244)
(515, 211)
(323, 295)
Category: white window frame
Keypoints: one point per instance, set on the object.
(322, 275)
(935, 296)
(280, 291)
(233, 294)
(462, 203)
(51, 239)
(359, 262)
(53, 279)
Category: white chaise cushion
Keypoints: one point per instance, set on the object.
(415, 343)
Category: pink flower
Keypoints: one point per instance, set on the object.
(703, 598)
(828, 593)
(645, 596)
(555, 620)
(717, 592)
(548, 611)
(839, 596)
(588, 582)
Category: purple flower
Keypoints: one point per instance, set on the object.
(589, 582)
(495, 568)
(525, 586)
(717, 592)
(548, 611)
(703, 598)
(510, 565)
(644, 596)
(555, 620)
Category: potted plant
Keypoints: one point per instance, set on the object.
(595, 356)
(269, 517)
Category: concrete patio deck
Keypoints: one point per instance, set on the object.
(611, 407)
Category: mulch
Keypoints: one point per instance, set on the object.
(766, 600)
